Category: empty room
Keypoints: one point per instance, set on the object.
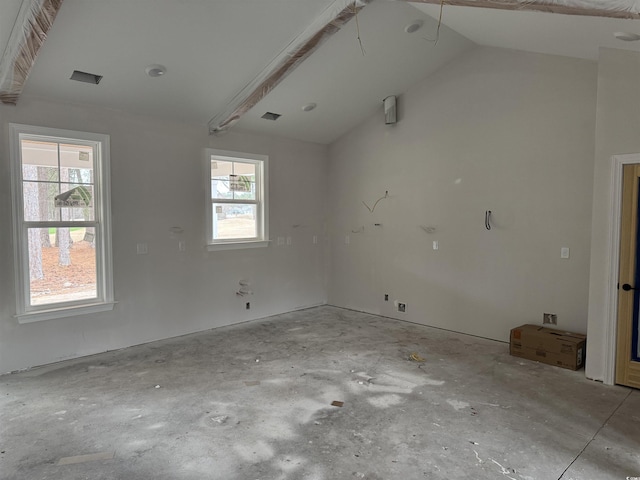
(319, 239)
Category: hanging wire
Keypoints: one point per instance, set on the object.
(355, 11)
(435, 41)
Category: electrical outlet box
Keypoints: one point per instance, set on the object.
(386, 297)
(248, 306)
(402, 307)
(142, 249)
(550, 318)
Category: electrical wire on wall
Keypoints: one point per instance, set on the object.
(371, 209)
(487, 219)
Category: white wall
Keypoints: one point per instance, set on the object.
(498, 130)
(157, 183)
(617, 132)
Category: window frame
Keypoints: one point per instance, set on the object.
(262, 200)
(104, 300)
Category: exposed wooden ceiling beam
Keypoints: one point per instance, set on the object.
(29, 33)
(284, 65)
(536, 6)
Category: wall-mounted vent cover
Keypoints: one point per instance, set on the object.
(271, 116)
(86, 77)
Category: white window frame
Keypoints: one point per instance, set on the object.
(25, 312)
(262, 200)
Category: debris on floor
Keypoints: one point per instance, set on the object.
(337, 403)
(417, 358)
(252, 384)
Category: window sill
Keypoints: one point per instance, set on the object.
(64, 312)
(237, 245)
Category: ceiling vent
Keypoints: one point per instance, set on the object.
(271, 116)
(86, 77)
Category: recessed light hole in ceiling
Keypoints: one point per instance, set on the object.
(155, 70)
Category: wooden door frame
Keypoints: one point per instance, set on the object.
(611, 297)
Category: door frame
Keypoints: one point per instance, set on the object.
(611, 296)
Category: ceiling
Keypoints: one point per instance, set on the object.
(213, 48)
(567, 35)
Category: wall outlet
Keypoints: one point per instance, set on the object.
(564, 252)
(402, 307)
(435, 245)
(182, 246)
(248, 306)
(386, 297)
(142, 249)
(550, 318)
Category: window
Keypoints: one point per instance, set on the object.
(61, 222)
(236, 200)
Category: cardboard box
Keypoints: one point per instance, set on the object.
(546, 345)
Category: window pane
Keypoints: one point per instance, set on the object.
(221, 170)
(243, 183)
(75, 202)
(245, 169)
(39, 160)
(233, 220)
(62, 265)
(38, 200)
(233, 180)
(76, 157)
(220, 189)
(243, 188)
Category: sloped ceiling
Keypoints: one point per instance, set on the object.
(567, 35)
(212, 48)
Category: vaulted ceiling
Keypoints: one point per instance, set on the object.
(212, 49)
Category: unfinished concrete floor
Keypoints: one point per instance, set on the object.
(253, 401)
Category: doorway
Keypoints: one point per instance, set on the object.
(627, 365)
